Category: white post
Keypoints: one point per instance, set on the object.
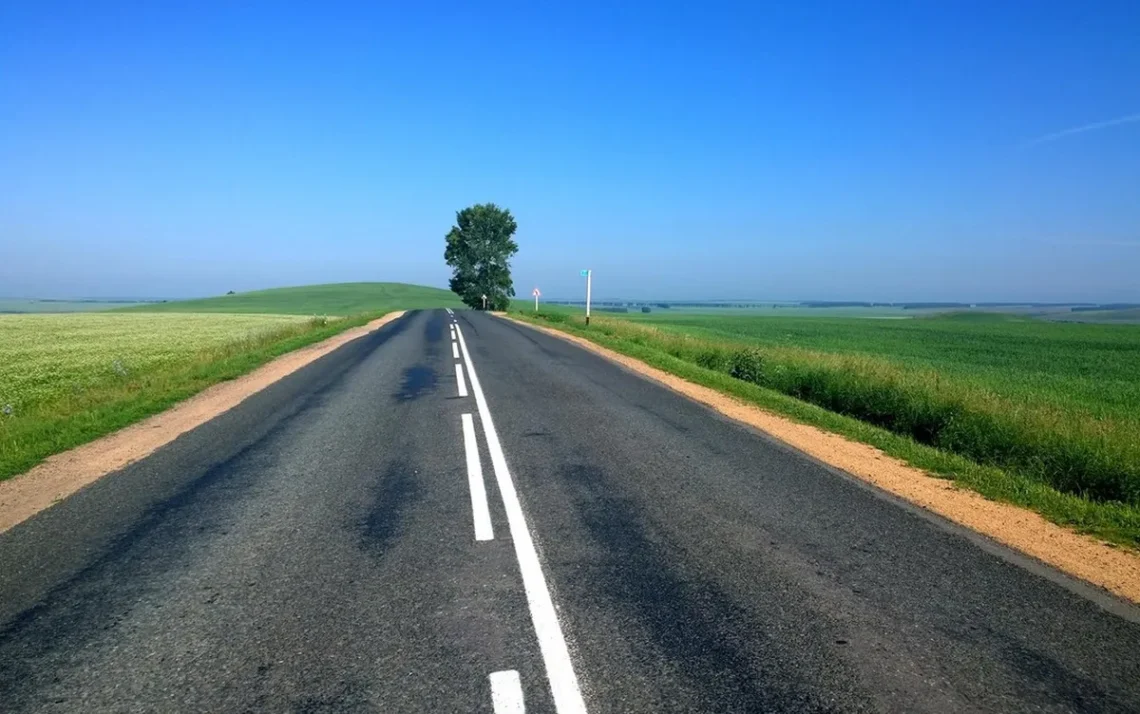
(536, 302)
(589, 276)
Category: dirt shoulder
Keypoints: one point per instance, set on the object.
(61, 475)
(1081, 556)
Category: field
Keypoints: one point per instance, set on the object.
(48, 357)
(1040, 413)
(333, 299)
(1074, 367)
(67, 379)
(1112, 314)
(21, 306)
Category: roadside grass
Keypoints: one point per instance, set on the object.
(1059, 451)
(333, 299)
(68, 379)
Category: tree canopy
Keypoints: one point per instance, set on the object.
(479, 248)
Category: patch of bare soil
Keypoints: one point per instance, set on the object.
(61, 475)
(1081, 556)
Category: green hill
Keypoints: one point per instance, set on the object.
(331, 299)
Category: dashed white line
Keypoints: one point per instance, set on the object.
(506, 693)
(455, 350)
(459, 378)
(555, 654)
(483, 530)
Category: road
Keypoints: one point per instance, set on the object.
(324, 547)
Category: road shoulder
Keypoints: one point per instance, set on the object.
(1075, 554)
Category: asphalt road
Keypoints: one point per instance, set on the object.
(323, 547)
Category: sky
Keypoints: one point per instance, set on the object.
(966, 150)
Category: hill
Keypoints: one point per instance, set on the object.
(331, 299)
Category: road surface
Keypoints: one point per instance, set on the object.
(325, 547)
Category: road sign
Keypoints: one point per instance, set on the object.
(484, 301)
(584, 273)
(536, 293)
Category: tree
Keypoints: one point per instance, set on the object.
(479, 248)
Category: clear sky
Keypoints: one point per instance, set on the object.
(963, 150)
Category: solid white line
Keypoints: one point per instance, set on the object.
(483, 530)
(455, 350)
(506, 693)
(459, 378)
(551, 642)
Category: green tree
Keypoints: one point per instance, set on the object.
(479, 248)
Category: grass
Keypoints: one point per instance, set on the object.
(26, 305)
(1044, 415)
(333, 299)
(68, 379)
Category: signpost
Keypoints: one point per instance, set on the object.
(484, 301)
(588, 275)
(536, 293)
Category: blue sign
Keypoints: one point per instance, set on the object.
(585, 273)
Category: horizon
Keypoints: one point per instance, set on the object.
(597, 299)
(818, 149)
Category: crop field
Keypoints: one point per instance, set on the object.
(68, 378)
(48, 357)
(18, 305)
(1091, 369)
(1039, 404)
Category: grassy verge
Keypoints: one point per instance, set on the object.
(63, 421)
(1045, 472)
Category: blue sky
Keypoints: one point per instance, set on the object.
(884, 151)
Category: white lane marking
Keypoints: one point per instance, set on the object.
(449, 312)
(483, 530)
(455, 350)
(506, 693)
(459, 378)
(551, 642)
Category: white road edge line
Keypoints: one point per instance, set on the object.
(459, 378)
(506, 693)
(455, 350)
(555, 654)
(482, 515)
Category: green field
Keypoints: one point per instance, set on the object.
(1060, 313)
(1091, 369)
(22, 305)
(47, 357)
(334, 299)
(67, 379)
(1040, 413)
